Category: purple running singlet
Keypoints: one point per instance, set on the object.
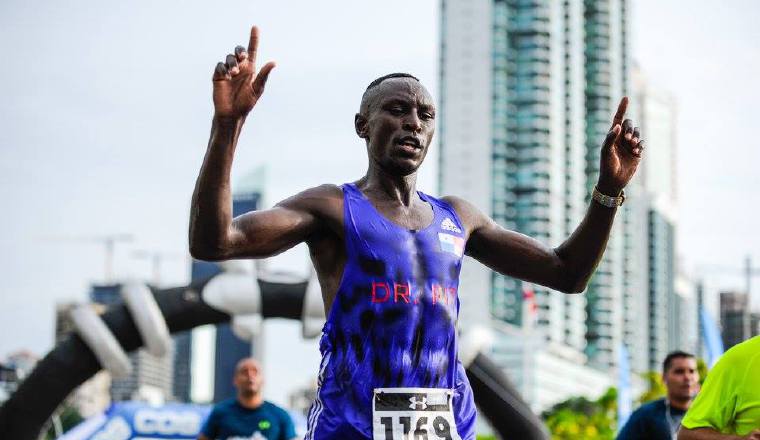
(389, 367)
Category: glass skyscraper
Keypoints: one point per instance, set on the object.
(528, 90)
(229, 348)
(667, 310)
(151, 376)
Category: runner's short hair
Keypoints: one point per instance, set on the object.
(368, 95)
(389, 76)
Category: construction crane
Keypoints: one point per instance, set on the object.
(156, 258)
(748, 272)
(108, 241)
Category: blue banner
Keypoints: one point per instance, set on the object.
(624, 398)
(140, 421)
(711, 336)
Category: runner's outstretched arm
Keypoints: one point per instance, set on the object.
(214, 235)
(568, 267)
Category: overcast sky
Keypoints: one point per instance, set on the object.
(106, 106)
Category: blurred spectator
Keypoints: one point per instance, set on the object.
(660, 419)
(248, 416)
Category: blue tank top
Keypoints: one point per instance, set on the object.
(393, 321)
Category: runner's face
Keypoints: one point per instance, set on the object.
(682, 378)
(248, 378)
(400, 126)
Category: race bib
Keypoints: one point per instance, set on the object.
(413, 414)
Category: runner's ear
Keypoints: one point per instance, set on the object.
(360, 124)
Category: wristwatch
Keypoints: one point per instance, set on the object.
(608, 201)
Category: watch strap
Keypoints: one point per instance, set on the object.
(608, 201)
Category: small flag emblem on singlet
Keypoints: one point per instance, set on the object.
(451, 243)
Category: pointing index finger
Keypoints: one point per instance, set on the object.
(253, 45)
(618, 119)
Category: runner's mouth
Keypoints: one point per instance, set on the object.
(409, 144)
(409, 140)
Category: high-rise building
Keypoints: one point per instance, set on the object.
(635, 310)
(467, 128)
(229, 348)
(735, 322)
(661, 279)
(510, 109)
(607, 71)
(669, 312)
(533, 366)
(528, 89)
(93, 396)
(151, 376)
(9, 381)
(182, 366)
(13, 370)
(105, 294)
(684, 320)
(150, 380)
(183, 342)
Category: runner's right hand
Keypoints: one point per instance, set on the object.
(237, 84)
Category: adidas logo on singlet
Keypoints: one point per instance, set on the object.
(449, 225)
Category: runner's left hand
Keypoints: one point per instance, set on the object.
(238, 84)
(621, 153)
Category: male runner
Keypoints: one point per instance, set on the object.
(388, 257)
(728, 406)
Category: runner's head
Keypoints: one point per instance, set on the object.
(397, 121)
(680, 375)
(248, 377)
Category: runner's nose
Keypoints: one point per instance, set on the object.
(412, 122)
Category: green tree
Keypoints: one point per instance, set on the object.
(581, 418)
(702, 368)
(655, 387)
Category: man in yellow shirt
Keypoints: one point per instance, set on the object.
(728, 407)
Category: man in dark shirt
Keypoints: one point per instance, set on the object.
(248, 416)
(660, 419)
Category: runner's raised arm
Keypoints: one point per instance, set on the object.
(568, 267)
(214, 235)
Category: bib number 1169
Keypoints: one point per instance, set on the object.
(420, 430)
(413, 414)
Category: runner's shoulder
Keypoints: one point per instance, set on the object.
(319, 200)
(470, 216)
(740, 354)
